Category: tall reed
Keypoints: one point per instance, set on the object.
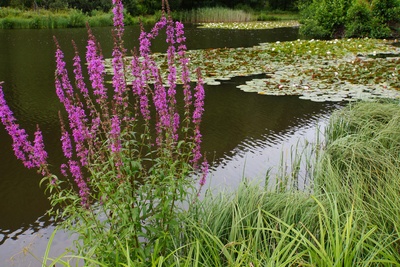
(215, 14)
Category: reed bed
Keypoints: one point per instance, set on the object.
(215, 14)
(276, 16)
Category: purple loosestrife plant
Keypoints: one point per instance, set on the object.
(31, 155)
(130, 158)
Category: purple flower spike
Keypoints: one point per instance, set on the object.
(118, 54)
(84, 192)
(96, 69)
(115, 134)
(118, 79)
(204, 172)
(66, 143)
(40, 154)
(118, 17)
(80, 83)
(184, 61)
(21, 146)
(196, 117)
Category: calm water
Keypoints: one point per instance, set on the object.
(244, 133)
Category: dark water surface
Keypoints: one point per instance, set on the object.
(244, 133)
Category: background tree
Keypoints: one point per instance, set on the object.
(87, 6)
(350, 18)
(143, 7)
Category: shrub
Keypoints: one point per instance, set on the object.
(327, 16)
(386, 10)
(359, 20)
(311, 28)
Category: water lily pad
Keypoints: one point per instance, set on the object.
(302, 67)
(252, 25)
(212, 82)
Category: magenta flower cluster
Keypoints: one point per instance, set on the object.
(90, 122)
(32, 154)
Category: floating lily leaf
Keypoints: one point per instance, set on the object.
(212, 82)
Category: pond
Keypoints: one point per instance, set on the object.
(243, 133)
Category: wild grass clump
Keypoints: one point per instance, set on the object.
(349, 218)
(362, 161)
(100, 19)
(215, 14)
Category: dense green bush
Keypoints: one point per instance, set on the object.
(323, 19)
(386, 10)
(359, 20)
(349, 18)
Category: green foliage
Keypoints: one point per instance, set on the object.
(359, 20)
(311, 28)
(76, 19)
(350, 18)
(88, 6)
(386, 10)
(323, 19)
(140, 7)
(99, 19)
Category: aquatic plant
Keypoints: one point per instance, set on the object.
(131, 160)
(316, 70)
(252, 25)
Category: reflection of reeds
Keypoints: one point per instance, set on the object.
(215, 14)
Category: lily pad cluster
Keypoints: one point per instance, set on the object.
(251, 25)
(317, 70)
